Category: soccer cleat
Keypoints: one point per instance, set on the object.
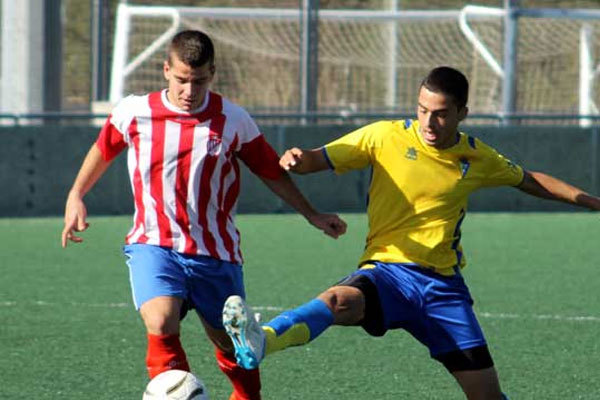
(246, 334)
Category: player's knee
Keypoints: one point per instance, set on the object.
(346, 303)
(161, 315)
(333, 300)
(160, 323)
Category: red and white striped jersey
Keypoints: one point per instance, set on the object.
(184, 171)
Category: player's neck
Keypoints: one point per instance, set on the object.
(449, 143)
(171, 104)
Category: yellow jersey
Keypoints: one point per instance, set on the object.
(418, 194)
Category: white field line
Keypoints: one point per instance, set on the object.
(538, 317)
(481, 314)
(42, 303)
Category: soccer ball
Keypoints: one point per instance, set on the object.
(175, 384)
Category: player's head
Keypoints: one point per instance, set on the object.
(443, 96)
(189, 68)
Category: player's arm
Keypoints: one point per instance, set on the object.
(263, 161)
(284, 187)
(303, 161)
(94, 165)
(548, 187)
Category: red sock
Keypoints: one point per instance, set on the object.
(165, 353)
(246, 382)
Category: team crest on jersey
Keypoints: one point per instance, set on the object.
(213, 146)
(464, 166)
(411, 153)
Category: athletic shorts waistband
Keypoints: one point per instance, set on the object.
(429, 270)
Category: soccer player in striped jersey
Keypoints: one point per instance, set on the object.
(183, 251)
(409, 276)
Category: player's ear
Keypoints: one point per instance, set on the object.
(462, 113)
(166, 69)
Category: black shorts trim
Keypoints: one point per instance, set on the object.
(373, 322)
(472, 359)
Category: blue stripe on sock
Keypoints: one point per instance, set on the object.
(315, 314)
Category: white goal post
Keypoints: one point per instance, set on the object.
(364, 66)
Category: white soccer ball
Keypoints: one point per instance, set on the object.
(175, 384)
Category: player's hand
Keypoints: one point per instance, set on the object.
(291, 160)
(330, 224)
(75, 220)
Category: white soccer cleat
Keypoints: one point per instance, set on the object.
(246, 334)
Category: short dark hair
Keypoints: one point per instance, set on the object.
(193, 48)
(450, 82)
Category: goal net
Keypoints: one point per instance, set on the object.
(368, 61)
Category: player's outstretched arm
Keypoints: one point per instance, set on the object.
(548, 187)
(75, 211)
(331, 224)
(303, 161)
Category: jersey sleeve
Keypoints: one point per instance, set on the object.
(499, 170)
(354, 150)
(255, 151)
(110, 141)
(113, 137)
(261, 158)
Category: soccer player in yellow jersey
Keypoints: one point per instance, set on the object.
(409, 276)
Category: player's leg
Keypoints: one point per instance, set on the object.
(212, 282)
(338, 305)
(450, 329)
(437, 311)
(158, 289)
(473, 369)
(246, 383)
(480, 384)
(164, 350)
(341, 305)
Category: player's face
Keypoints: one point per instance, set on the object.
(439, 118)
(187, 85)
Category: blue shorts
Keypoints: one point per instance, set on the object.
(435, 309)
(203, 282)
